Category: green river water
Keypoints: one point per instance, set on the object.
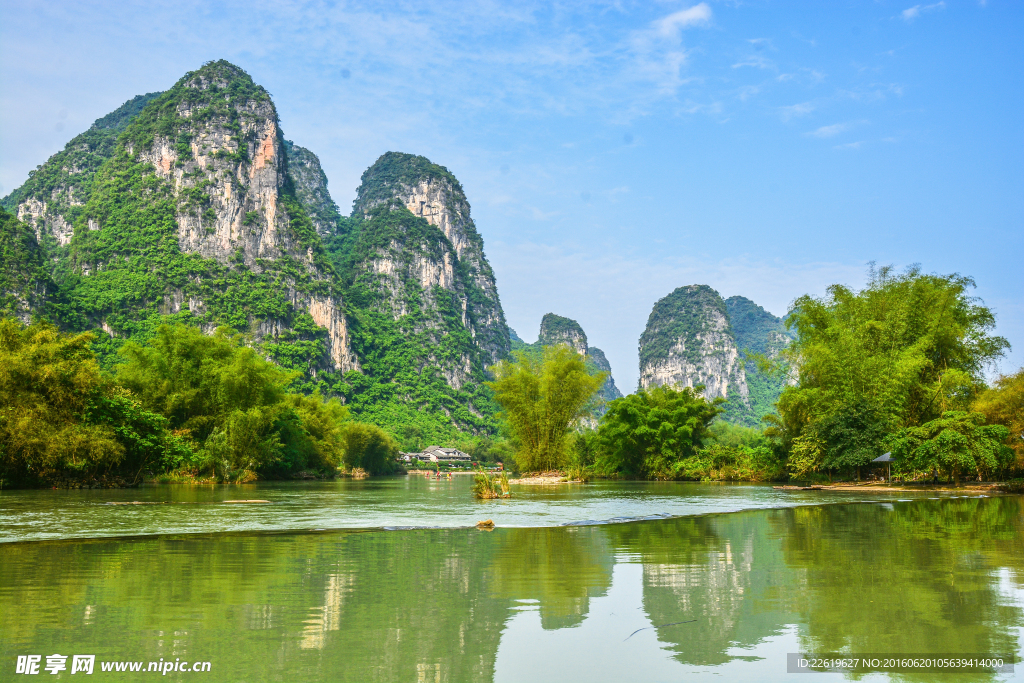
(386, 580)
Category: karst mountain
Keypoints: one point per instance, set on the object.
(190, 206)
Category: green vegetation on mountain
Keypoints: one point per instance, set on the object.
(689, 341)
(758, 334)
(405, 335)
(65, 182)
(25, 282)
(679, 317)
(598, 362)
(189, 207)
(128, 267)
(394, 171)
(554, 329)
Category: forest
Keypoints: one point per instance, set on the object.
(184, 406)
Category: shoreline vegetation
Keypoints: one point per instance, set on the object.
(895, 368)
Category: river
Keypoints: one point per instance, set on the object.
(388, 580)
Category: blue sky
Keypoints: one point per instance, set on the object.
(611, 151)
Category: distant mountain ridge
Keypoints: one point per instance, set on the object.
(190, 206)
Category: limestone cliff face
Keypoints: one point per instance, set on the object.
(455, 263)
(554, 329)
(182, 201)
(609, 392)
(759, 332)
(218, 146)
(688, 341)
(56, 192)
(25, 286)
(226, 169)
(310, 184)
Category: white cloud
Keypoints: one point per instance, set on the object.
(829, 131)
(756, 61)
(850, 145)
(672, 25)
(796, 110)
(914, 12)
(657, 53)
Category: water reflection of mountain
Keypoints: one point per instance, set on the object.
(721, 575)
(433, 605)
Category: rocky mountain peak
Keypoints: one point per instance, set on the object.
(688, 341)
(310, 185)
(54, 197)
(180, 204)
(694, 337)
(554, 329)
(414, 185)
(427, 190)
(214, 137)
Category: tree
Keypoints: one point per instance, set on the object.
(897, 354)
(957, 443)
(1004, 404)
(60, 417)
(541, 401)
(369, 447)
(198, 380)
(647, 433)
(232, 404)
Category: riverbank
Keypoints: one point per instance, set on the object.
(550, 478)
(981, 487)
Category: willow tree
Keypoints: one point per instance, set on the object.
(542, 399)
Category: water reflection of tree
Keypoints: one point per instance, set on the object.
(432, 604)
(918, 577)
(562, 568)
(341, 607)
(380, 606)
(721, 574)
